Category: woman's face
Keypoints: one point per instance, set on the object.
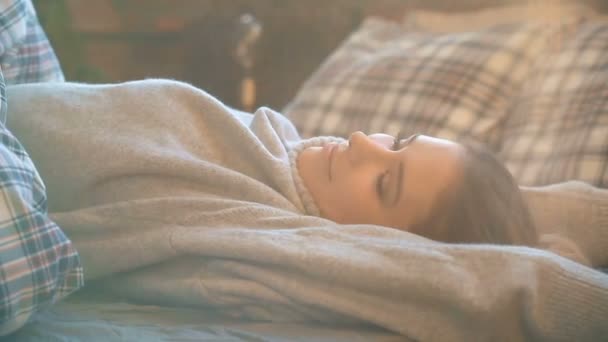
(372, 180)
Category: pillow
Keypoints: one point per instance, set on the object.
(26, 55)
(547, 11)
(558, 129)
(386, 78)
(38, 264)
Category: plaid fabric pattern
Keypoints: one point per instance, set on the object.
(3, 100)
(558, 129)
(38, 264)
(386, 78)
(26, 56)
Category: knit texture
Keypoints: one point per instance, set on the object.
(576, 211)
(172, 198)
(309, 203)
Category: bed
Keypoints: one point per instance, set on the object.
(385, 65)
(84, 317)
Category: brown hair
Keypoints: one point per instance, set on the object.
(486, 206)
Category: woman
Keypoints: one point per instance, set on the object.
(176, 139)
(432, 187)
(172, 198)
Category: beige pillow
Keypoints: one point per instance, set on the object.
(558, 127)
(551, 11)
(388, 78)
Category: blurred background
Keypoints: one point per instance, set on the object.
(197, 41)
(213, 44)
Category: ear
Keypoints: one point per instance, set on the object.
(564, 247)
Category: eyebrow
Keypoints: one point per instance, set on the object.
(401, 171)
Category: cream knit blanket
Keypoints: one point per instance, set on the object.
(173, 198)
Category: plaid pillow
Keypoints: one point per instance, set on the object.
(385, 78)
(558, 129)
(38, 263)
(26, 55)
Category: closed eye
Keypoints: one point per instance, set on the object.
(397, 145)
(380, 184)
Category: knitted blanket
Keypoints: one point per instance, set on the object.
(173, 198)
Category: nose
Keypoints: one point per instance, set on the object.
(363, 148)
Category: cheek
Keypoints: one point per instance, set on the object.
(349, 201)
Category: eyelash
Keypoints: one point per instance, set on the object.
(394, 147)
(397, 142)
